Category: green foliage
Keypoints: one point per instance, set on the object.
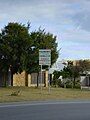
(16, 93)
(56, 74)
(84, 65)
(16, 51)
(56, 81)
(42, 40)
(69, 84)
(72, 72)
(15, 40)
(69, 75)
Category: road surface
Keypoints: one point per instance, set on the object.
(45, 111)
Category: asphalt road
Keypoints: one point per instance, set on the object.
(45, 111)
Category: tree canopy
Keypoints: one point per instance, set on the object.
(16, 50)
(14, 45)
(43, 40)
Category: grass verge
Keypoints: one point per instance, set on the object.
(11, 94)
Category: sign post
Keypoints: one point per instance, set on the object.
(41, 77)
(49, 79)
(45, 59)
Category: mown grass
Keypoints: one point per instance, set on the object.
(35, 94)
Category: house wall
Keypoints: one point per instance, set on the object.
(34, 78)
(30, 80)
(19, 79)
(85, 81)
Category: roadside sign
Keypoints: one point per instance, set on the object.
(45, 57)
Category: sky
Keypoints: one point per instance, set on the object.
(69, 20)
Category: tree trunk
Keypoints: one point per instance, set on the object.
(11, 78)
(64, 83)
(37, 80)
(5, 79)
(74, 81)
(26, 79)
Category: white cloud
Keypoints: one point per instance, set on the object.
(68, 19)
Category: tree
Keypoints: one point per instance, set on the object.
(84, 66)
(14, 47)
(56, 76)
(72, 72)
(75, 73)
(16, 51)
(42, 40)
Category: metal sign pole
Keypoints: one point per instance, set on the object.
(49, 79)
(41, 78)
(45, 59)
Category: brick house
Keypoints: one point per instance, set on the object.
(30, 80)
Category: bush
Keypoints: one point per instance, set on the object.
(16, 93)
(77, 84)
(68, 84)
(58, 82)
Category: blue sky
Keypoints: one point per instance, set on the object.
(69, 20)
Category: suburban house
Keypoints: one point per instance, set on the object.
(85, 76)
(25, 79)
(85, 80)
(30, 80)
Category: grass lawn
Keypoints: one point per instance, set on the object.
(35, 94)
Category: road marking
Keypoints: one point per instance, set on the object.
(41, 103)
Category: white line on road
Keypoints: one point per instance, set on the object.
(41, 103)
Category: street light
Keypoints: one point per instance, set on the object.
(32, 48)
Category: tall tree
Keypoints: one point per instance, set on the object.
(42, 40)
(72, 72)
(15, 43)
(84, 65)
(19, 49)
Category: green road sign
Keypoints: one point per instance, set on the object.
(44, 57)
